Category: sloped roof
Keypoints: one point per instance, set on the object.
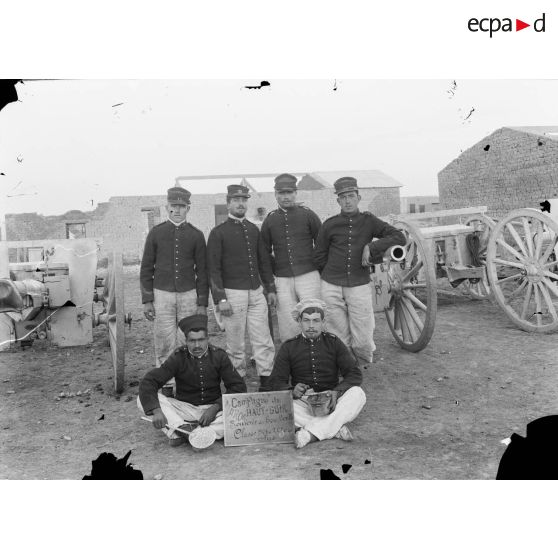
(547, 131)
(364, 178)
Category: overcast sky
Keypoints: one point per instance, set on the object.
(75, 149)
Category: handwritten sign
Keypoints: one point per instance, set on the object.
(258, 418)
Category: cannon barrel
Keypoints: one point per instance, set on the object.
(12, 293)
(395, 253)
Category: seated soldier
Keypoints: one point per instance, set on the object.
(198, 369)
(313, 362)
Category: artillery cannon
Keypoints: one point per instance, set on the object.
(512, 261)
(53, 299)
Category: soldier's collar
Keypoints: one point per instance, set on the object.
(176, 224)
(237, 218)
(201, 356)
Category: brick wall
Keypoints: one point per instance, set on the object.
(517, 170)
(123, 225)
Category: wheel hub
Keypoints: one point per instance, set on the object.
(532, 271)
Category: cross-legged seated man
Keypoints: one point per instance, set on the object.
(315, 361)
(198, 369)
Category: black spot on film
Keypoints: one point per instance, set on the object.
(545, 206)
(8, 92)
(367, 461)
(346, 468)
(533, 457)
(328, 474)
(262, 84)
(486, 147)
(108, 467)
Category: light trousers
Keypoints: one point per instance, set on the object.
(350, 316)
(347, 409)
(170, 308)
(249, 310)
(178, 412)
(290, 291)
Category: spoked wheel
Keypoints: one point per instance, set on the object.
(479, 289)
(411, 310)
(115, 317)
(523, 271)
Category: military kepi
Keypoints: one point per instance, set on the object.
(238, 191)
(285, 182)
(196, 321)
(178, 196)
(345, 184)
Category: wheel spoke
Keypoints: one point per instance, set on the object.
(550, 264)
(414, 286)
(510, 264)
(412, 272)
(513, 294)
(528, 237)
(550, 274)
(526, 301)
(396, 320)
(549, 302)
(511, 250)
(414, 300)
(406, 326)
(509, 278)
(549, 250)
(538, 310)
(517, 238)
(411, 309)
(539, 240)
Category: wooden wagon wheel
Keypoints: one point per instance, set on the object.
(411, 310)
(479, 289)
(522, 269)
(115, 319)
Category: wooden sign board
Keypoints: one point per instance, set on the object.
(258, 418)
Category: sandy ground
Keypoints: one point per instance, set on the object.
(438, 414)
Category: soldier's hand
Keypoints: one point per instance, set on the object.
(149, 311)
(159, 419)
(225, 308)
(272, 299)
(333, 402)
(209, 415)
(299, 390)
(201, 310)
(366, 256)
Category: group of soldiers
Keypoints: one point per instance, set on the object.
(317, 277)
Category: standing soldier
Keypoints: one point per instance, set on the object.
(173, 274)
(289, 233)
(346, 241)
(237, 259)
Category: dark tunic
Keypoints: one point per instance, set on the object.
(174, 260)
(289, 237)
(198, 380)
(237, 259)
(318, 363)
(341, 240)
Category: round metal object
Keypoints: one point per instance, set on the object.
(479, 289)
(411, 310)
(202, 437)
(115, 317)
(522, 269)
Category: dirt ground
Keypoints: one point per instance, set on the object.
(437, 414)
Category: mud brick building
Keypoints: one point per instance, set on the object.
(509, 169)
(124, 221)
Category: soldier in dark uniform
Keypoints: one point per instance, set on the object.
(198, 369)
(312, 362)
(288, 233)
(173, 274)
(238, 266)
(345, 242)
